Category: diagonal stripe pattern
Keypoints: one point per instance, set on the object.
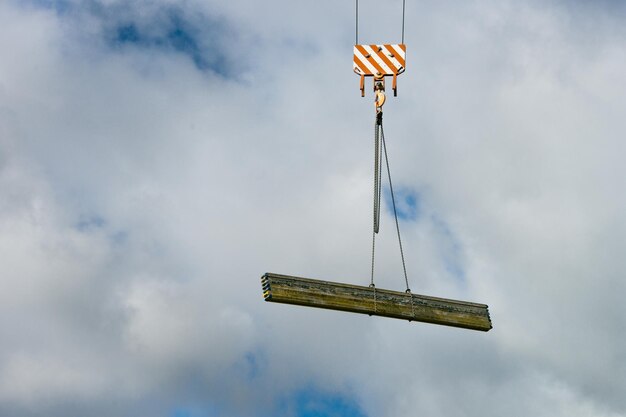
(379, 59)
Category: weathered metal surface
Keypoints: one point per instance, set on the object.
(374, 301)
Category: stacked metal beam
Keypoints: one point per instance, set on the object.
(375, 302)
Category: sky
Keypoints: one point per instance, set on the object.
(158, 156)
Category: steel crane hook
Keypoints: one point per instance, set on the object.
(379, 89)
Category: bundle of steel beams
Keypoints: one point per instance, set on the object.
(374, 301)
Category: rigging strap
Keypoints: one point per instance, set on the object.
(377, 171)
(377, 187)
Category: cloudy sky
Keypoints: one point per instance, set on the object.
(158, 156)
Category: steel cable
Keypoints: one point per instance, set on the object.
(395, 212)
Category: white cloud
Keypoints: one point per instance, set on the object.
(141, 199)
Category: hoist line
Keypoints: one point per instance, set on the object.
(356, 41)
(403, 9)
(356, 36)
(379, 138)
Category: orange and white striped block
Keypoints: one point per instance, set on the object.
(379, 60)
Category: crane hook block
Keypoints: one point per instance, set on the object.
(379, 92)
(379, 61)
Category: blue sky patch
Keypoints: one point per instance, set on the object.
(119, 237)
(252, 365)
(59, 6)
(189, 412)
(92, 222)
(450, 249)
(167, 29)
(312, 402)
(128, 34)
(407, 203)
(170, 30)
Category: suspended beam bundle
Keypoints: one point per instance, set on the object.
(375, 302)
